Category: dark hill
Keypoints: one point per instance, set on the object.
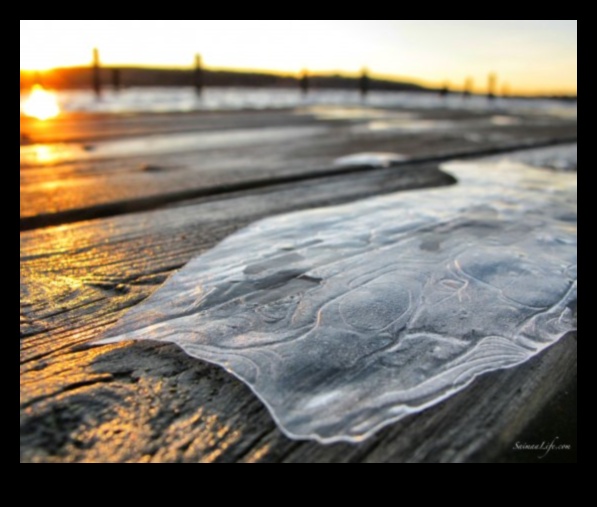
(80, 77)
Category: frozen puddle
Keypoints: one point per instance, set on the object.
(344, 319)
(41, 154)
(373, 159)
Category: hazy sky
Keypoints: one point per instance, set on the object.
(530, 55)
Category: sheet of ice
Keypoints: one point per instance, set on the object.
(374, 159)
(563, 157)
(35, 154)
(345, 319)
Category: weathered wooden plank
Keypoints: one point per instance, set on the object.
(144, 403)
(80, 267)
(123, 178)
(92, 127)
(140, 402)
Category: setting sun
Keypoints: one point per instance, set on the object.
(41, 104)
(533, 56)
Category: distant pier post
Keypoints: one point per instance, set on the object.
(96, 82)
(364, 83)
(198, 74)
(304, 82)
(468, 87)
(116, 83)
(491, 84)
(445, 89)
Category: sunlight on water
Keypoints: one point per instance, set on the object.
(156, 99)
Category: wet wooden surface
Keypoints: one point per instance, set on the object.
(150, 402)
(68, 181)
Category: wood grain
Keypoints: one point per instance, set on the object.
(143, 402)
(116, 178)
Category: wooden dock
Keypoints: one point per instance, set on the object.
(111, 205)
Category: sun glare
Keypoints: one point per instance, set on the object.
(41, 104)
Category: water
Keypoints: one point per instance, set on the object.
(137, 100)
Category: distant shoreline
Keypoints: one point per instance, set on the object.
(80, 78)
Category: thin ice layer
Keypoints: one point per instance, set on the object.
(345, 319)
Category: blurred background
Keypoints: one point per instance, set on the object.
(167, 66)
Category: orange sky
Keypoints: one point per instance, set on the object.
(532, 56)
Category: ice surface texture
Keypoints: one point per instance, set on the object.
(373, 159)
(344, 319)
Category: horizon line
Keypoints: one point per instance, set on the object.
(395, 78)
